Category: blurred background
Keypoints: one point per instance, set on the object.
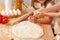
(28, 2)
(3, 1)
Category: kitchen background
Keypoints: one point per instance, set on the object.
(28, 2)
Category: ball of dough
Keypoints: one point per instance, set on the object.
(27, 29)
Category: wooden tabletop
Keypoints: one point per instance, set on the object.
(48, 34)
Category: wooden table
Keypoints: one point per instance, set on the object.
(48, 34)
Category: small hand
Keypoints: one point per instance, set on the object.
(36, 12)
(32, 19)
(40, 15)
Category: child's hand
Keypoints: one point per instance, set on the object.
(36, 12)
(32, 19)
(40, 15)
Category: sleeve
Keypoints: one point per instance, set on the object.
(49, 5)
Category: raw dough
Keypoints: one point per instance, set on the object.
(27, 29)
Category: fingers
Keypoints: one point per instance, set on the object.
(32, 19)
(36, 12)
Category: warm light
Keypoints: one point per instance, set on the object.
(19, 4)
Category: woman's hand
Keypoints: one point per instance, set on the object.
(32, 19)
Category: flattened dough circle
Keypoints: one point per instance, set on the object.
(27, 29)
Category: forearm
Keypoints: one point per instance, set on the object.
(51, 9)
(53, 14)
(46, 20)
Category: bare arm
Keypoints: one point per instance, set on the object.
(44, 20)
(53, 8)
(52, 14)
